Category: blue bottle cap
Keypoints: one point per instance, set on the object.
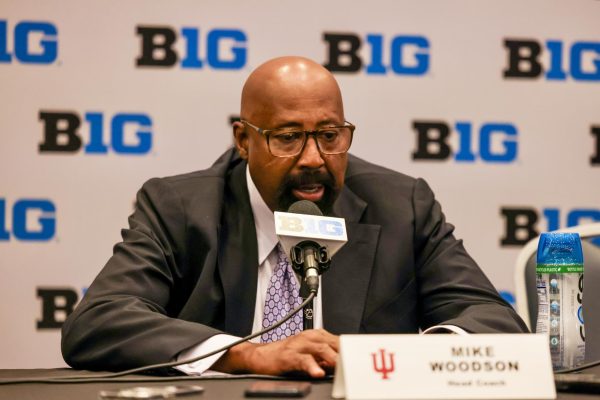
(559, 248)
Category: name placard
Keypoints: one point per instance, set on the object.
(482, 366)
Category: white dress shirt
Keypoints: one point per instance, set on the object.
(264, 222)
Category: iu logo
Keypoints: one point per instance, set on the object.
(384, 369)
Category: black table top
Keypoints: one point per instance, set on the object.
(214, 388)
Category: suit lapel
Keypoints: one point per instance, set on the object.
(238, 255)
(346, 283)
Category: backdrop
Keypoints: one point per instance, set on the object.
(496, 104)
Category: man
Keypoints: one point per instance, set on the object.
(200, 253)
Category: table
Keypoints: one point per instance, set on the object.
(214, 388)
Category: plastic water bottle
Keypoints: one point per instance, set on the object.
(560, 291)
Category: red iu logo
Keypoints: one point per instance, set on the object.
(384, 368)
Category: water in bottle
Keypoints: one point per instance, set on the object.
(560, 292)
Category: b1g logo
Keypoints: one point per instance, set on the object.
(33, 42)
(61, 133)
(401, 55)
(595, 159)
(582, 59)
(309, 225)
(224, 48)
(32, 220)
(521, 224)
(57, 305)
(490, 143)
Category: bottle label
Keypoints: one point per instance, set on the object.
(559, 268)
(560, 314)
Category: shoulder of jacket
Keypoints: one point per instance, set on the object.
(359, 169)
(216, 173)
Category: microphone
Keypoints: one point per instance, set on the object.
(308, 256)
(310, 239)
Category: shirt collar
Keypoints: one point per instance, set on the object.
(264, 221)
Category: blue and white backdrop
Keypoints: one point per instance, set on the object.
(496, 104)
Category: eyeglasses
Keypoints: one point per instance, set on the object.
(289, 142)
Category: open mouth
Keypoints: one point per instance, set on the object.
(312, 192)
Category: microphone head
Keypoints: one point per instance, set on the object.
(305, 207)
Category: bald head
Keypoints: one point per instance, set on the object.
(282, 82)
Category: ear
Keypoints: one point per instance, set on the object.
(240, 137)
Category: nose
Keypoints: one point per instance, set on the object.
(311, 157)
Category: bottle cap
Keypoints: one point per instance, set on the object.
(559, 248)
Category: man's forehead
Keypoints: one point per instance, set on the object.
(293, 87)
(288, 80)
(299, 67)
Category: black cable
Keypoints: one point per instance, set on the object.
(110, 377)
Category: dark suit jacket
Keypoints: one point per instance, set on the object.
(187, 269)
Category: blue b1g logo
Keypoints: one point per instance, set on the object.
(33, 42)
(490, 142)
(524, 223)
(61, 133)
(399, 55)
(223, 48)
(525, 55)
(32, 220)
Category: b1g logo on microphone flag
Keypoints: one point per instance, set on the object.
(292, 228)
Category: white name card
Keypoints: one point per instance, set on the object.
(490, 366)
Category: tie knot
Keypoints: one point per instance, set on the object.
(282, 257)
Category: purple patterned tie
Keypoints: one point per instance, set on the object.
(282, 297)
